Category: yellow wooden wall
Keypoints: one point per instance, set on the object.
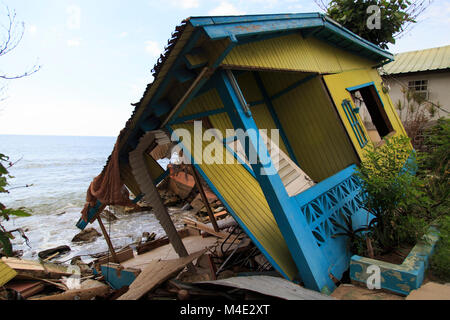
(294, 53)
(260, 112)
(243, 194)
(317, 137)
(128, 179)
(337, 84)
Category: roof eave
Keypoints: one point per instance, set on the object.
(244, 26)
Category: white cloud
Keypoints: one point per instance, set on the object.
(225, 8)
(185, 4)
(73, 17)
(73, 42)
(153, 48)
(123, 34)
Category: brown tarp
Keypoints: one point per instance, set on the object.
(108, 187)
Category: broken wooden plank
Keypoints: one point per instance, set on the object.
(203, 227)
(199, 185)
(81, 294)
(6, 273)
(216, 215)
(122, 255)
(181, 184)
(148, 246)
(155, 273)
(52, 256)
(26, 289)
(36, 269)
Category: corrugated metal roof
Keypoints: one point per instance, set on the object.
(270, 286)
(420, 60)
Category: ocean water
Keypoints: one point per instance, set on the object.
(59, 170)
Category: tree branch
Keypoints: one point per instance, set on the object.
(33, 70)
(13, 38)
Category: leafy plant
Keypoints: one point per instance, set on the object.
(440, 261)
(396, 17)
(5, 213)
(356, 237)
(415, 112)
(434, 167)
(392, 194)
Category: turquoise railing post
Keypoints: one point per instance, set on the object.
(327, 201)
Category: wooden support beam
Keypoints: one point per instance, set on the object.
(203, 227)
(199, 185)
(149, 124)
(152, 196)
(183, 75)
(196, 58)
(108, 240)
(162, 107)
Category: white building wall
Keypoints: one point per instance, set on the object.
(438, 88)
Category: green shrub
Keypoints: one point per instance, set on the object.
(5, 213)
(440, 261)
(394, 195)
(434, 165)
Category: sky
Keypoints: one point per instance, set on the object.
(96, 56)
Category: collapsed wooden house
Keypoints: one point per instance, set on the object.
(302, 74)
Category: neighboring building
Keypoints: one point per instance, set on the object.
(424, 71)
(297, 73)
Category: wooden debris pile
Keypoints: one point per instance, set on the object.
(150, 268)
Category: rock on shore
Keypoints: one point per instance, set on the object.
(87, 235)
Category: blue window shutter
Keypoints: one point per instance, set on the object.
(354, 122)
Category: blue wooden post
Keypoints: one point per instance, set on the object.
(311, 262)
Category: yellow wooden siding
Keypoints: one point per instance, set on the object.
(264, 120)
(221, 122)
(128, 179)
(318, 140)
(260, 112)
(243, 194)
(337, 84)
(276, 82)
(293, 52)
(207, 101)
(249, 88)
